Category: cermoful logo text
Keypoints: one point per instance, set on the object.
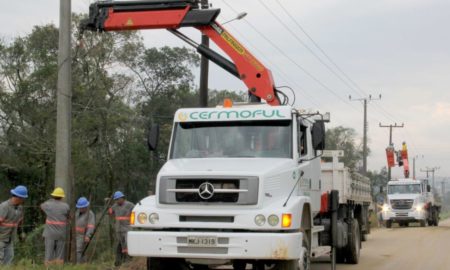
(227, 115)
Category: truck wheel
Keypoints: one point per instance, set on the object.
(436, 220)
(354, 243)
(303, 263)
(199, 267)
(423, 223)
(435, 217)
(239, 265)
(165, 264)
(363, 237)
(340, 255)
(388, 224)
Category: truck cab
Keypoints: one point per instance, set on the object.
(241, 185)
(408, 201)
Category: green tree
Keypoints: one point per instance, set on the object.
(344, 138)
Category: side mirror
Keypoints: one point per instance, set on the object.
(153, 137)
(428, 188)
(318, 135)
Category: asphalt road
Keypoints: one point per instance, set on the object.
(411, 248)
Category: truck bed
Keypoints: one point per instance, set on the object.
(352, 186)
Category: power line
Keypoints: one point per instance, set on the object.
(306, 46)
(379, 108)
(292, 61)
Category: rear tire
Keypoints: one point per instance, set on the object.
(354, 244)
(340, 255)
(363, 237)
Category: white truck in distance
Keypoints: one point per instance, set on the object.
(241, 186)
(409, 201)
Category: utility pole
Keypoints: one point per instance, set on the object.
(432, 171)
(204, 66)
(365, 100)
(63, 175)
(390, 140)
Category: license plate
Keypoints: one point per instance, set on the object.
(202, 241)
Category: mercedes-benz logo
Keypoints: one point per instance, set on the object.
(206, 191)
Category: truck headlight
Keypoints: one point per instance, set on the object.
(260, 220)
(153, 218)
(386, 207)
(419, 208)
(142, 218)
(273, 220)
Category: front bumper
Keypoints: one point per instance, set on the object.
(401, 215)
(252, 245)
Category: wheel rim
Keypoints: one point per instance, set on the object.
(304, 261)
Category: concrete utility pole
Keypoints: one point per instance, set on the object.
(204, 66)
(365, 102)
(414, 165)
(390, 140)
(63, 175)
(64, 99)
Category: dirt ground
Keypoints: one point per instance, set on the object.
(412, 248)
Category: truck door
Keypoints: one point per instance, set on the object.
(310, 183)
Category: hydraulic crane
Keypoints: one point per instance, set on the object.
(108, 16)
(402, 158)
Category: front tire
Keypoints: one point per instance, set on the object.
(165, 264)
(304, 263)
(423, 223)
(388, 224)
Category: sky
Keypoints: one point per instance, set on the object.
(397, 48)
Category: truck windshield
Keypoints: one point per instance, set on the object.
(243, 139)
(404, 189)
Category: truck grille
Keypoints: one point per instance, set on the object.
(402, 204)
(192, 191)
(217, 190)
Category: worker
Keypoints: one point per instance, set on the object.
(11, 215)
(121, 210)
(85, 225)
(55, 231)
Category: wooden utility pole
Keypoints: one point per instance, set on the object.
(365, 124)
(390, 140)
(63, 177)
(204, 66)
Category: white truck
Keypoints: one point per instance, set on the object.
(242, 186)
(409, 201)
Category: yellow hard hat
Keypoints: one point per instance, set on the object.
(58, 192)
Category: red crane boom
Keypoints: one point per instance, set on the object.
(174, 14)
